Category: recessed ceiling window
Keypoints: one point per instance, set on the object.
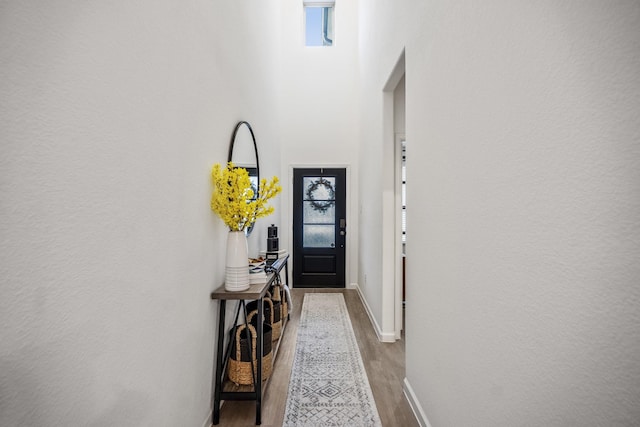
(318, 16)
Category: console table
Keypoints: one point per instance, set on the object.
(255, 292)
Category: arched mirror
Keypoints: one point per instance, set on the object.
(243, 152)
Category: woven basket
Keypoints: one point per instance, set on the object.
(272, 315)
(239, 369)
(280, 294)
(276, 292)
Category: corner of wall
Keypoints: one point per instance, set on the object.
(382, 335)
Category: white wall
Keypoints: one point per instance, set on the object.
(111, 116)
(523, 130)
(380, 63)
(318, 109)
(399, 110)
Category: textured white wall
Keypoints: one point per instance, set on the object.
(524, 136)
(318, 107)
(111, 116)
(381, 34)
(399, 110)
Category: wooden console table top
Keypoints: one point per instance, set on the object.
(254, 292)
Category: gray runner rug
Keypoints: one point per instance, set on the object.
(328, 386)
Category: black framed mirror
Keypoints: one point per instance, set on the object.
(243, 152)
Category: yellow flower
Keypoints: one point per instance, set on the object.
(233, 199)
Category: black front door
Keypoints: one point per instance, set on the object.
(319, 227)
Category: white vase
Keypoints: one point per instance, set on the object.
(237, 264)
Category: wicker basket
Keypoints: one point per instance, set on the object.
(278, 294)
(285, 305)
(272, 315)
(279, 289)
(239, 369)
(275, 291)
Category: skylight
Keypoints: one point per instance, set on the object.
(318, 23)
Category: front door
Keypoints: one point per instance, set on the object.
(319, 227)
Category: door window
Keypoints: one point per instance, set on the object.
(319, 212)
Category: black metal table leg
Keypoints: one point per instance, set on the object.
(259, 355)
(286, 281)
(286, 274)
(219, 371)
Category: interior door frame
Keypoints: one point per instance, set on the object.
(351, 225)
(398, 282)
(391, 318)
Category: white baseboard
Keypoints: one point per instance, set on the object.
(418, 412)
(208, 422)
(382, 336)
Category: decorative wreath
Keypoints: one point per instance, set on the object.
(321, 205)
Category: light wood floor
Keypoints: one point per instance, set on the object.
(384, 363)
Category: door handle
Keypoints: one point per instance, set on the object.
(342, 232)
(343, 223)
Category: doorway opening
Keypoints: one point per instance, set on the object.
(401, 228)
(400, 189)
(393, 257)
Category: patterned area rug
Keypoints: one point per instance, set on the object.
(328, 386)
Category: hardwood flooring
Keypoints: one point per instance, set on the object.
(384, 363)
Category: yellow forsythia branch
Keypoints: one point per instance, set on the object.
(232, 196)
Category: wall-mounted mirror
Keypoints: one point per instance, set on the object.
(243, 152)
